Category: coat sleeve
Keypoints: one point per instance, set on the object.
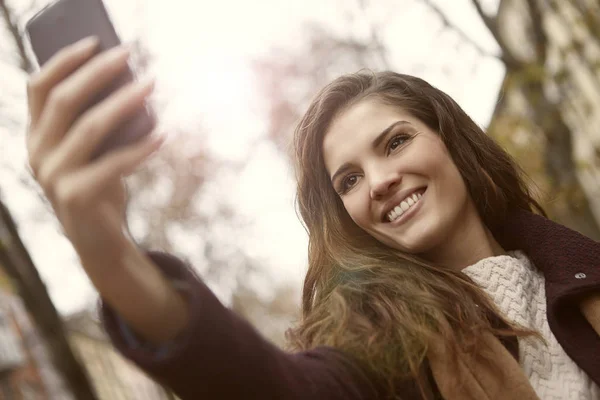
(221, 356)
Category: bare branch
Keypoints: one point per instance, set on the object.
(10, 19)
(459, 31)
(489, 21)
(379, 46)
(492, 24)
(539, 35)
(589, 15)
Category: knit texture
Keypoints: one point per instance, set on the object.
(518, 290)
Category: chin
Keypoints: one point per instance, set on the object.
(415, 244)
(406, 246)
(414, 248)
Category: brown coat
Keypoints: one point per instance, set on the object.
(550, 246)
(220, 356)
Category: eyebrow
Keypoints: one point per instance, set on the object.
(376, 143)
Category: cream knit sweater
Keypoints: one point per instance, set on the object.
(517, 288)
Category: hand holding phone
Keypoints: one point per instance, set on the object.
(88, 197)
(82, 139)
(66, 22)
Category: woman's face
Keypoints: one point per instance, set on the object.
(396, 178)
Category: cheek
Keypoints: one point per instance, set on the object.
(439, 166)
(451, 190)
(453, 178)
(357, 209)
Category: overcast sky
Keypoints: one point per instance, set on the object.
(205, 47)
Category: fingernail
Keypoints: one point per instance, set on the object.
(159, 136)
(117, 53)
(88, 43)
(129, 45)
(155, 142)
(147, 83)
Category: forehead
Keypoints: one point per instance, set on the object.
(353, 131)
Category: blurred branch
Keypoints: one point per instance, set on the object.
(539, 34)
(10, 19)
(459, 31)
(589, 14)
(492, 24)
(379, 46)
(488, 20)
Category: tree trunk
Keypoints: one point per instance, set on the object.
(15, 259)
(564, 197)
(574, 209)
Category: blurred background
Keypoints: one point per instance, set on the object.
(233, 77)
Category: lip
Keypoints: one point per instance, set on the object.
(399, 197)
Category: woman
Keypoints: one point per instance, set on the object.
(429, 274)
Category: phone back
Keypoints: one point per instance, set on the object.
(67, 21)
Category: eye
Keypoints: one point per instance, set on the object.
(397, 141)
(348, 183)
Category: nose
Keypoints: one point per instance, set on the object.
(382, 184)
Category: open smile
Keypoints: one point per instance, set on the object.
(405, 208)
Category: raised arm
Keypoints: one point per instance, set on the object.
(213, 354)
(220, 355)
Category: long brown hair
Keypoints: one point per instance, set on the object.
(379, 306)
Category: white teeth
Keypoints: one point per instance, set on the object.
(405, 205)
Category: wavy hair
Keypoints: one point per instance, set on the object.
(376, 304)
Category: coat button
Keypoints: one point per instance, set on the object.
(580, 275)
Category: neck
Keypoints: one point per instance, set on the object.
(471, 242)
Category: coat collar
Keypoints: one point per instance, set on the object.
(559, 253)
(570, 263)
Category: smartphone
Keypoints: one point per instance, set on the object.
(65, 22)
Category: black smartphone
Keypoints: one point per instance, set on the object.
(65, 22)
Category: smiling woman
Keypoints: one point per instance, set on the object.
(449, 300)
(389, 155)
(367, 142)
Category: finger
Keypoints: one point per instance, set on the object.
(79, 189)
(61, 65)
(95, 125)
(128, 159)
(67, 100)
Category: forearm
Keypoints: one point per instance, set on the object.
(141, 295)
(221, 356)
